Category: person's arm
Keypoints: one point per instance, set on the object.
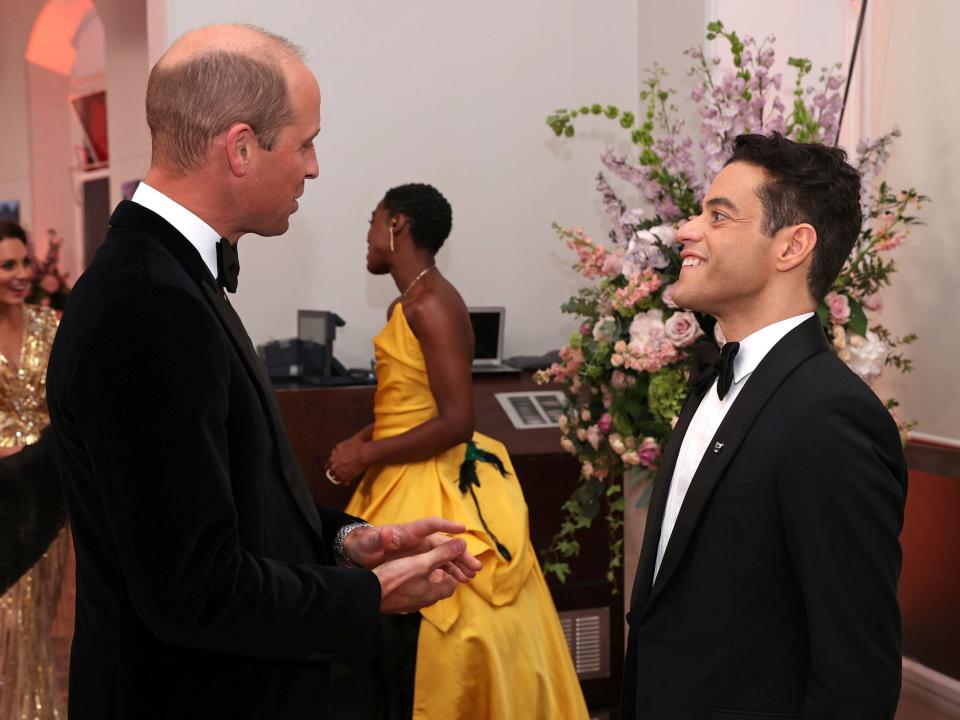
(153, 397)
(842, 492)
(443, 329)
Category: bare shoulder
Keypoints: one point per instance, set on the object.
(437, 308)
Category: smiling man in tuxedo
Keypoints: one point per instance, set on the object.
(766, 586)
(209, 584)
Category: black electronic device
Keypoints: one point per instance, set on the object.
(309, 356)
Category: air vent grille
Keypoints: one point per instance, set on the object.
(529, 410)
(588, 636)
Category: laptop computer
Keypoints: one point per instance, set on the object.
(487, 325)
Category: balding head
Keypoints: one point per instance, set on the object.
(211, 79)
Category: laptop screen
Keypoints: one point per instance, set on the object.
(488, 332)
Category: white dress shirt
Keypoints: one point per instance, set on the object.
(708, 417)
(203, 237)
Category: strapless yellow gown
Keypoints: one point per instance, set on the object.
(495, 649)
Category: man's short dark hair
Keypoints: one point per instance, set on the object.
(427, 211)
(807, 183)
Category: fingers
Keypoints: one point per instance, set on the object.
(469, 563)
(456, 573)
(430, 525)
(443, 554)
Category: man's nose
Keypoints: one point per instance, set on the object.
(313, 169)
(690, 231)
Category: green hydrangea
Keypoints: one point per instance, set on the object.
(668, 388)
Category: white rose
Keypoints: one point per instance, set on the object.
(868, 358)
(647, 328)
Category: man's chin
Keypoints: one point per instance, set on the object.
(273, 230)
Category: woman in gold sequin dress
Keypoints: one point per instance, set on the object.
(27, 686)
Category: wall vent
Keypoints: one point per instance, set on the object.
(588, 636)
(529, 410)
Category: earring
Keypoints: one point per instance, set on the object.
(392, 248)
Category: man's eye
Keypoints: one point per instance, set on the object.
(717, 216)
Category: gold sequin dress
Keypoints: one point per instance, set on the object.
(28, 690)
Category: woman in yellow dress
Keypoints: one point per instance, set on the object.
(28, 689)
(495, 649)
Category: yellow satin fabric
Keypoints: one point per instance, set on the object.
(495, 649)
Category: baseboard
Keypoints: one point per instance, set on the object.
(932, 688)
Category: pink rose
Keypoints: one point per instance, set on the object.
(648, 452)
(618, 379)
(839, 306)
(605, 423)
(682, 328)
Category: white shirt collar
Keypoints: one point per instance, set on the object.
(203, 237)
(755, 347)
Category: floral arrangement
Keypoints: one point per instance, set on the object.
(49, 286)
(625, 368)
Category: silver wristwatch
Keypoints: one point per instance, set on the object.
(341, 537)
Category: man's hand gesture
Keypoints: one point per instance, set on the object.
(416, 562)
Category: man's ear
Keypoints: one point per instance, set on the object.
(239, 146)
(798, 245)
(398, 222)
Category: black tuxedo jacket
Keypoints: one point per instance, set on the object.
(205, 582)
(776, 596)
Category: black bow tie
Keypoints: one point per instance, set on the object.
(708, 364)
(228, 265)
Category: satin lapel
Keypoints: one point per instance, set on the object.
(658, 502)
(288, 462)
(794, 348)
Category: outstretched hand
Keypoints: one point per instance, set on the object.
(373, 546)
(410, 583)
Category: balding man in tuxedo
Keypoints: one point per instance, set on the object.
(209, 584)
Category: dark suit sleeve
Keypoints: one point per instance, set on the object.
(154, 397)
(842, 490)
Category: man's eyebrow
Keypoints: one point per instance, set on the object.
(720, 201)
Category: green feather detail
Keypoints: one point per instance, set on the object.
(469, 479)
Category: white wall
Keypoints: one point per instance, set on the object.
(455, 94)
(915, 87)
(15, 163)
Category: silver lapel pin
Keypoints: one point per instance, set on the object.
(717, 447)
